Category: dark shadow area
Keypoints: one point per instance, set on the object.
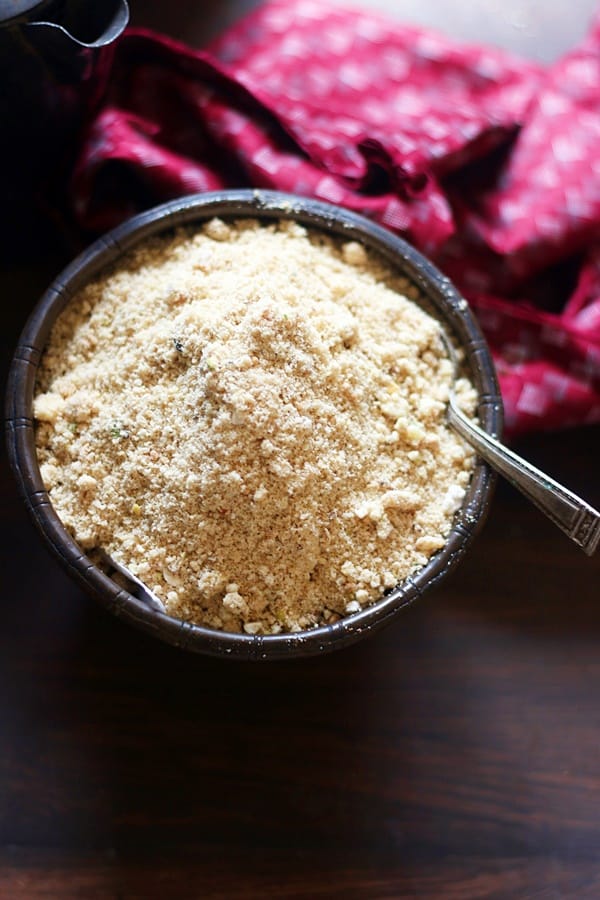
(204, 21)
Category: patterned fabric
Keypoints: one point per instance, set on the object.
(487, 163)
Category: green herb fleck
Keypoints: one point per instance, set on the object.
(117, 431)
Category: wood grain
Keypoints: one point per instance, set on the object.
(454, 755)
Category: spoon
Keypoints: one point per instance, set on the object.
(579, 520)
(132, 583)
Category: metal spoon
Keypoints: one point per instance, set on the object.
(579, 520)
(133, 583)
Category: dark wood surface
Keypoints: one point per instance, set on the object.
(454, 755)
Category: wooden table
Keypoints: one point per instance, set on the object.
(454, 755)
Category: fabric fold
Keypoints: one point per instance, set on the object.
(487, 163)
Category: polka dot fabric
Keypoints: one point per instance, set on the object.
(487, 163)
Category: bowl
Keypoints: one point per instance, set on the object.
(440, 296)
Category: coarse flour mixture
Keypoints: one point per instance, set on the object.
(251, 418)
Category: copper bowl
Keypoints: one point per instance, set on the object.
(441, 297)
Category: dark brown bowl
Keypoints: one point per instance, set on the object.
(265, 205)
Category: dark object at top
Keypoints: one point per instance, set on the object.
(55, 57)
(50, 53)
(87, 24)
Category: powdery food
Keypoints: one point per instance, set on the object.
(251, 418)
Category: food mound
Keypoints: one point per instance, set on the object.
(251, 418)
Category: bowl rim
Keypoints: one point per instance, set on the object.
(453, 310)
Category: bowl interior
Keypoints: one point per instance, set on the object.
(441, 299)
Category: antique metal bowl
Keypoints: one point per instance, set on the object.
(441, 298)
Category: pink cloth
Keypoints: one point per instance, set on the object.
(488, 163)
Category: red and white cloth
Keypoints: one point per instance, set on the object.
(488, 163)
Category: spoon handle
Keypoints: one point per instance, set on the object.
(579, 520)
(135, 585)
